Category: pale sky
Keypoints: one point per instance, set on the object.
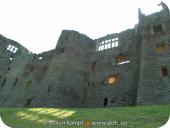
(37, 24)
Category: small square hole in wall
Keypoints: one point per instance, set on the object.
(164, 71)
(161, 48)
(112, 79)
(157, 28)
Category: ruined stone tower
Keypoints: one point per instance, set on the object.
(121, 69)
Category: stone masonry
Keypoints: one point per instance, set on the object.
(121, 69)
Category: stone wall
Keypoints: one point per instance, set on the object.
(122, 69)
(153, 86)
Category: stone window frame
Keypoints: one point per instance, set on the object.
(152, 31)
(93, 65)
(107, 44)
(123, 62)
(106, 101)
(160, 43)
(164, 66)
(110, 75)
(12, 48)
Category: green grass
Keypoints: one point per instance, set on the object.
(131, 117)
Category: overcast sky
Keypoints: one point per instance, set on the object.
(37, 24)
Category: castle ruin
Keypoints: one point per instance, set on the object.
(121, 69)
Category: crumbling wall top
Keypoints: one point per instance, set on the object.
(164, 7)
(154, 17)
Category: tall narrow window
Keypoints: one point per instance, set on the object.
(9, 47)
(12, 48)
(93, 65)
(15, 50)
(105, 102)
(164, 71)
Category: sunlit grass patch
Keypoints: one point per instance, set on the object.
(140, 116)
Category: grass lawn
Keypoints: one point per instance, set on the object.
(120, 117)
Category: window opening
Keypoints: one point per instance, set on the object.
(105, 101)
(164, 71)
(107, 44)
(161, 48)
(157, 28)
(121, 59)
(112, 79)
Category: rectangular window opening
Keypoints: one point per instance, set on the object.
(93, 65)
(164, 71)
(105, 101)
(157, 28)
(107, 44)
(121, 59)
(9, 47)
(112, 79)
(161, 48)
(12, 48)
(15, 50)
